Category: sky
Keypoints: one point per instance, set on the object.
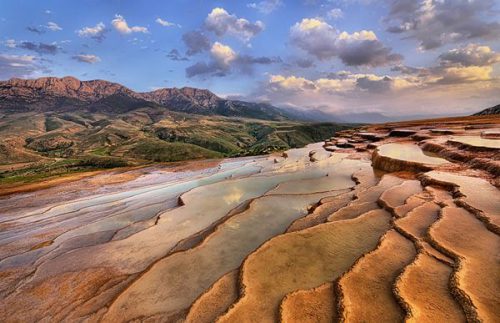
(396, 57)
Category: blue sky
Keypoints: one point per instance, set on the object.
(395, 57)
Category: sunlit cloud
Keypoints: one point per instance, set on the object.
(121, 25)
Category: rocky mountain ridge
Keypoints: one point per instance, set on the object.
(489, 111)
(67, 93)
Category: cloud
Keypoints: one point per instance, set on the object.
(469, 74)
(364, 48)
(196, 42)
(459, 77)
(224, 61)
(470, 55)
(322, 41)
(35, 30)
(266, 6)
(452, 91)
(121, 25)
(435, 23)
(203, 68)
(304, 63)
(221, 22)
(166, 23)
(468, 64)
(340, 83)
(223, 54)
(97, 32)
(17, 66)
(316, 37)
(41, 48)
(10, 43)
(174, 55)
(87, 58)
(335, 13)
(53, 26)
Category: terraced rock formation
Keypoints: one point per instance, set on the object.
(394, 222)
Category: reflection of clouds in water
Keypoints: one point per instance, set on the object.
(233, 195)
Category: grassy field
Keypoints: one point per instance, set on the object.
(50, 144)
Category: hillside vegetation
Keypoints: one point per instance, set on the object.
(35, 145)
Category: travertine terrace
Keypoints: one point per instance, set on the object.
(394, 222)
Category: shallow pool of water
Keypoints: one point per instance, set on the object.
(410, 153)
(477, 141)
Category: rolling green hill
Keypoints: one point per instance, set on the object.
(38, 144)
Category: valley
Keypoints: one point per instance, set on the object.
(52, 127)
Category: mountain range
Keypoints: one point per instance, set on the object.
(67, 93)
(52, 94)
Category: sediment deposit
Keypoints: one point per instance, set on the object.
(393, 222)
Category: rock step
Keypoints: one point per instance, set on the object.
(321, 212)
(475, 194)
(366, 200)
(440, 196)
(310, 306)
(364, 179)
(424, 286)
(475, 249)
(415, 226)
(417, 222)
(366, 290)
(216, 300)
(411, 203)
(397, 195)
(352, 211)
(372, 194)
(184, 276)
(478, 160)
(302, 260)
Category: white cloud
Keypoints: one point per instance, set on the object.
(11, 43)
(53, 26)
(121, 25)
(221, 22)
(224, 61)
(166, 23)
(87, 58)
(97, 32)
(265, 6)
(335, 13)
(341, 82)
(223, 54)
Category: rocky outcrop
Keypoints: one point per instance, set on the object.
(49, 93)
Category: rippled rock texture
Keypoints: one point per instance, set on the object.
(397, 222)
